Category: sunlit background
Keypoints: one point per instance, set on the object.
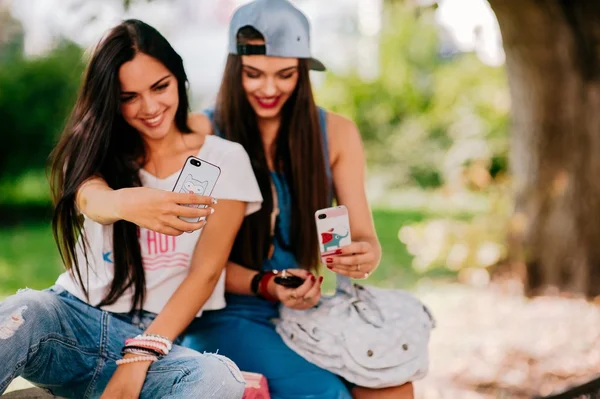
(426, 85)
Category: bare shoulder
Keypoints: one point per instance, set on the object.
(339, 125)
(199, 123)
(195, 139)
(201, 127)
(343, 134)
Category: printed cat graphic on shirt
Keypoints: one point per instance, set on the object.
(191, 185)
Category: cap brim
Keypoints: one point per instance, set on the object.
(316, 65)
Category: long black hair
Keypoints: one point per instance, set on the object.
(298, 155)
(98, 142)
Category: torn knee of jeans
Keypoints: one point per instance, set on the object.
(233, 368)
(11, 324)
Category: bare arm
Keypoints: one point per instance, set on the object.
(98, 201)
(209, 259)
(150, 208)
(348, 169)
(238, 279)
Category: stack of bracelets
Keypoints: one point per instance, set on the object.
(147, 347)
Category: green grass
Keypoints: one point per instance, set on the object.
(28, 258)
(395, 267)
(28, 255)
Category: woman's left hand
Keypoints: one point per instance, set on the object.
(127, 381)
(357, 260)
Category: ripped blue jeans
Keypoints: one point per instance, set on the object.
(68, 347)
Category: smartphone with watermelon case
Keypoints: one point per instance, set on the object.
(333, 229)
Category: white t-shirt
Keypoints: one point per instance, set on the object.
(166, 259)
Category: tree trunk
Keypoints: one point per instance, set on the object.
(552, 59)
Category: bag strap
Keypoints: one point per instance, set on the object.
(345, 285)
(360, 299)
(274, 215)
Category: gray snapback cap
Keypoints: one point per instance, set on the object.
(285, 28)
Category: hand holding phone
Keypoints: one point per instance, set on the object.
(160, 211)
(338, 251)
(289, 281)
(198, 177)
(333, 229)
(296, 288)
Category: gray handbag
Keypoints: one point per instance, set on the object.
(372, 337)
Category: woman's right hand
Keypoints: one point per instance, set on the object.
(160, 210)
(304, 297)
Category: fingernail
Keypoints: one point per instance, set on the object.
(312, 278)
(214, 201)
(320, 279)
(329, 260)
(329, 267)
(338, 252)
(212, 210)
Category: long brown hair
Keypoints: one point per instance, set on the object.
(298, 155)
(98, 142)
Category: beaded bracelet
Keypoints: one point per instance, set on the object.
(156, 338)
(140, 351)
(148, 347)
(142, 343)
(164, 349)
(136, 359)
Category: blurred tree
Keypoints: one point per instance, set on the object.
(12, 37)
(36, 95)
(553, 63)
(425, 118)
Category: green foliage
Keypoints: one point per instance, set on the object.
(36, 96)
(424, 117)
(455, 244)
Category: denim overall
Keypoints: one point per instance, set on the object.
(244, 330)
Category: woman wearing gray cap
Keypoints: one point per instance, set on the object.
(301, 156)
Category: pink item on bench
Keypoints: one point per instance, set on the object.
(256, 386)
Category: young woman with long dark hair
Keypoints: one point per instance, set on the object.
(137, 274)
(303, 157)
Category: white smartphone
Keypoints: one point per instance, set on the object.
(199, 177)
(333, 229)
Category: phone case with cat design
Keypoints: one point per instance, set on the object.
(199, 177)
(333, 229)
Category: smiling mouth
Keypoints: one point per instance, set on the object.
(155, 121)
(267, 102)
